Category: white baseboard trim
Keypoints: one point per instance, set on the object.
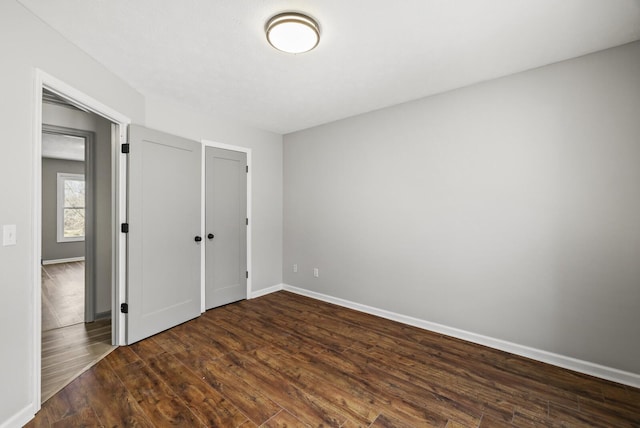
(19, 419)
(69, 260)
(265, 291)
(102, 315)
(581, 366)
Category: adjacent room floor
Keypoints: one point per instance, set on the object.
(69, 351)
(286, 360)
(62, 295)
(69, 346)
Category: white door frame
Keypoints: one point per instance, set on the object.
(205, 144)
(119, 189)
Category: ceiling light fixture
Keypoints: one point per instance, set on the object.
(293, 32)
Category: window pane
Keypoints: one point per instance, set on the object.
(73, 194)
(71, 207)
(73, 222)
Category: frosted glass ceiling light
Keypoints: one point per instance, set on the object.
(293, 32)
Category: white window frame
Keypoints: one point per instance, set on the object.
(62, 177)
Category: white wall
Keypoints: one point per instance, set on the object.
(508, 209)
(26, 43)
(266, 152)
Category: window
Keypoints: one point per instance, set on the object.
(71, 207)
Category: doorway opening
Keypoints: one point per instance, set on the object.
(68, 235)
(79, 256)
(75, 282)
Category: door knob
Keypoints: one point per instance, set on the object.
(210, 236)
(198, 238)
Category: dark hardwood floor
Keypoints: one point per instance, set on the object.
(284, 360)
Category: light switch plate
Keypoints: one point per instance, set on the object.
(8, 234)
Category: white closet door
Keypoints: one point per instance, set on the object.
(226, 228)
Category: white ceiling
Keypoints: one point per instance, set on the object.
(59, 146)
(212, 55)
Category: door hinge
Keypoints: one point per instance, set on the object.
(124, 308)
(247, 169)
(247, 222)
(124, 227)
(247, 274)
(125, 148)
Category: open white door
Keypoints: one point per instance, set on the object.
(163, 287)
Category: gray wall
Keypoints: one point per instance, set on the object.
(70, 118)
(51, 248)
(508, 208)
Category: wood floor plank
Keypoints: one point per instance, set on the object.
(346, 402)
(444, 387)
(224, 340)
(314, 369)
(108, 397)
(123, 357)
(388, 380)
(209, 405)
(311, 332)
(196, 337)
(67, 402)
(170, 341)
(246, 332)
(284, 419)
(490, 422)
(384, 421)
(610, 412)
(147, 348)
(370, 322)
(413, 415)
(487, 384)
(268, 323)
(161, 404)
(245, 396)
(86, 418)
(361, 379)
(304, 406)
(288, 360)
(230, 338)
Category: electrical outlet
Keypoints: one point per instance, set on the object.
(8, 234)
(316, 272)
(295, 268)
